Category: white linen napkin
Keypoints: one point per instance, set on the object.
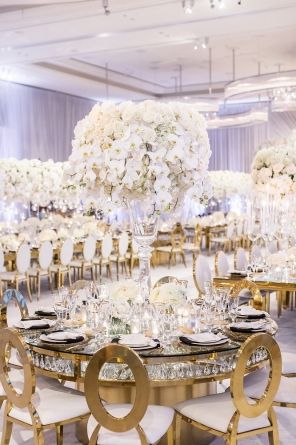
(134, 340)
(252, 325)
(28, 324)
(65, 335)
(205, 337)
(245, 311)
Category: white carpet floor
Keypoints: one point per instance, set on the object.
(286, 337)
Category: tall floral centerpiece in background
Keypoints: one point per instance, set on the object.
(145, 155)
(274, 166)
(226, 183)
(274, 175)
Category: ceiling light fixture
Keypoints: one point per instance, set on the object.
(188, 6)
(283, 99)
(205, 43)
(220, 3)
(105, 4)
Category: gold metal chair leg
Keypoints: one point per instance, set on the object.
(7, 431)
(38, 437)
(59, 434)
(273, 436)
(28, 288)
(170, 435)
(177, 422)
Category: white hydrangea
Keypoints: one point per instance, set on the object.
(227, 183)
(275, 166)
(40, 183)
(168, 294)
(134, 149)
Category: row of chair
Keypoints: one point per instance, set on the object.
(65, 264)
(42, 403)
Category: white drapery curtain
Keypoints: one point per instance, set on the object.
(234, 148)
(37, 123)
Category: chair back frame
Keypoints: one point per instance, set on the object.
(240, 400)
(10, 339)
(249, 285)
(8, 296)
(119, 354)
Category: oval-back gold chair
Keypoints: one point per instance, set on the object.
(256, 297)
(221, 414)
(103, 418)
(35, 404)
(168, 279)
(12, 295)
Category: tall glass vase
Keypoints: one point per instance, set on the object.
(144, 223)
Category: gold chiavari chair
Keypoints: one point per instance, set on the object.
(36, 403)
(140, 422)
(168, 279)
(240, 259)
(195, 247)
(12, 295)
(254, 295)
(231, 415)
(221, 264)
(175, 247)
(14, 278)
(201, 273)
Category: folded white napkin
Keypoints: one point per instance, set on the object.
(28, 324)
(254, 325)
(134, 340)
(248, 310)
(60, 336)
(205, 337)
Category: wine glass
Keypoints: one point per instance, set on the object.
(233, 305)
(60, 308)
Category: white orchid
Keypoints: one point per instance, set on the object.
(227, 183)
(136, 149)
(275, 166)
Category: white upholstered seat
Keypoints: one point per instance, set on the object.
(216, 411)
(155, 424)
(53, 402)
(254, 384)
(289, 363)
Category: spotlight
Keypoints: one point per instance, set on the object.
(105, 4)
(188, 6)
(205, 43)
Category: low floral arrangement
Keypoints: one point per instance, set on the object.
(30, 180)
(274, 166)
(227, 183)
(129, 150)
(168, 294)
(124, 291)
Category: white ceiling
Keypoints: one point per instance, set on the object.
(66, 45)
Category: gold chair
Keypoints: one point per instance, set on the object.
(14, 278)
(140, 422)
(168, 279)
(258, 300)
(12, 295)
(174, 248)
(37, 404)
(231, 415)
(195, 246)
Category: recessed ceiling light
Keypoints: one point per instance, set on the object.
(102, 35)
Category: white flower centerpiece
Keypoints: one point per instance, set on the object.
(274, 167)
(146, 155)
(226, 183)
(168, 294)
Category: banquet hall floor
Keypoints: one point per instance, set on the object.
(286, 338)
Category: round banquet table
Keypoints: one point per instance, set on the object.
(177, 373)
